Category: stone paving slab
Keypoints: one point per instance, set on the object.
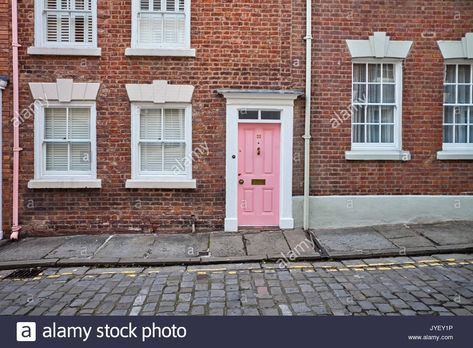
(448, 233)
(29, 248)
(129, 245)
(300, 243)
(269, 243)
(180, 245)
(226, 244)
(412, 242)
(77, 247)
(395, 231)
(353, 240)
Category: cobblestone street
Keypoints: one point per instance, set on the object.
(437, 285)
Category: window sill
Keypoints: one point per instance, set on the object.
(378, 155)
(64, 184)
(162, 184)
(66, 51)
(160, 52)
(455, 155)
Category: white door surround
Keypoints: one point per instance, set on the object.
(259, 99)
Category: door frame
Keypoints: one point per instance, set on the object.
(261, 99)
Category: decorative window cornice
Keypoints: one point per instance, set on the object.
(379, 45)
(460, 49)
(160, 92)
(65, 91)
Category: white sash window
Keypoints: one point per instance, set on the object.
(161, 24)
(66, 23)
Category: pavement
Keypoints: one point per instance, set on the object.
(251, 246)
(438, 285)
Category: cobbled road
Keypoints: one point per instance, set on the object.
(436, 285)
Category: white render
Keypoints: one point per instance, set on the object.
(160, 92)
(280, 100)
(64, 91)
(379, 45)
(359, 211)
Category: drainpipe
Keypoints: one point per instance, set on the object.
(3, 85)
(16, 122)
(308, 96)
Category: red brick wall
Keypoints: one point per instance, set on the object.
(424, 22)
(5, 146)
(239, 43)
(247, 44)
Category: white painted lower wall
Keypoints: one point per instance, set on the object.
(358, 211)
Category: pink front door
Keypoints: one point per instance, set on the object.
(258, 174)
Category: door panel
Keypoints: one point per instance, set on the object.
(258, 174)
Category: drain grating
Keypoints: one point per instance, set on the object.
(25, 273)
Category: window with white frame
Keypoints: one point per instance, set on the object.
(162, 142)
(65, 142)
(161, 24)
(66, 23)
(458, 107)
(376, 106)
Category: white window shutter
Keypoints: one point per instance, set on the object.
(151, 157)
(55, 124)
(52, 28)
(170, 29)
(150, 124)
(56, 157)
(80, 156)
(174, 124)
(79, 124)
(174, 155)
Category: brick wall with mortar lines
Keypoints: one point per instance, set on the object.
(239, 43)
(423, 22)
(5, 58)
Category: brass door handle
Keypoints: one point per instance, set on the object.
(241, 181)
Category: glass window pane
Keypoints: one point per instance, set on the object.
(55, 124)
(150, 124)
(79, 124)
(248, 114)
(387, 114)
(174, 124)
(270, 115)
(449, 112)
(373, 114)
(387, 134)
(56, 157)
(463, 94)
(151, 157)
(374, 93)
(464, 74)
(359, 93)
(448, 134)
(80, 156)
(358, 133)
(359, 72)
(374, 72)
(372, 134)
(450, 74)
(461, 134)
(449, 95)
(461, 114)
(471, 134)
(358, 114)
(388, 73)
(389, 95)
(174, 158)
